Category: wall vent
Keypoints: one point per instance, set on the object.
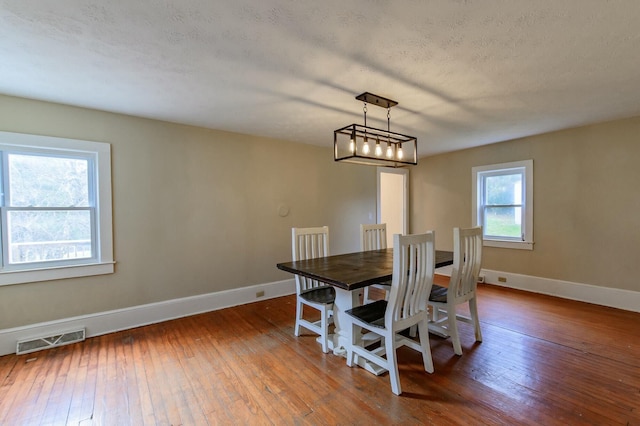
(39, 343)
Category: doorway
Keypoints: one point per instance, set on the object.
(393, 201)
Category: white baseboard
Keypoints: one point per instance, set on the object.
(122, 319)
(605, 296)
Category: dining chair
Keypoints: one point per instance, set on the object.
(467, 262)
(374, 237)
(309, 243)
(413, 269)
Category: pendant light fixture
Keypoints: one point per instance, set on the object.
(360, 144)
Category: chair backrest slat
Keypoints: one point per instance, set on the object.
(309, 243)
(413, 270)
(373, 237)
(467, 262)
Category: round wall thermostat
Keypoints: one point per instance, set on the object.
(283, 210)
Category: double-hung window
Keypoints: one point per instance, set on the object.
(55, 208)
(503, 204)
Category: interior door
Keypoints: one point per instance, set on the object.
(393, 201)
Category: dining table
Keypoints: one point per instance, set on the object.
(348, 273)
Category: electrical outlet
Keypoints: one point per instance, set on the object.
(260, 293)
(502, 279)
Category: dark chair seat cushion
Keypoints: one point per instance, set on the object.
(325, 295)
(438, 294)
(372, 313)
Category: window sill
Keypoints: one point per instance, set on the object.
(518, 245)
(58, 273)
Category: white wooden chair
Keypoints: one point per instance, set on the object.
(309, 243)
(374, 237)
(467, 262)
(413, 269)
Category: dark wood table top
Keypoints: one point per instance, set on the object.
(354, 270)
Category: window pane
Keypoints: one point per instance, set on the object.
(503, 222)
(503, 189)
(39, 181)
(39, 236)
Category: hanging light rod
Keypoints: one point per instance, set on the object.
(360, 144)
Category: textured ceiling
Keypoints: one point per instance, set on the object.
(464, 72)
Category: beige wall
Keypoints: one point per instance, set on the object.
(586, 202)
(195, 210)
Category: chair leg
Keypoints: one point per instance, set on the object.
(350, 355)
(413, 331)
(365, 296)
(427, 360)
(392, 364)
(324, 326)
(452, 326)
(473, 308)
(298, 316)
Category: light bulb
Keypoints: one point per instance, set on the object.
(400, 154)
(365, 146)
(378, 148)
(352, 142)
(389, 150)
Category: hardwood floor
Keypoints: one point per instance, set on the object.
(543, 361)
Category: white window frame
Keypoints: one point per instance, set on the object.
(103, 262)
(526, 166)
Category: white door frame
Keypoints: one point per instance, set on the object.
(405, 195)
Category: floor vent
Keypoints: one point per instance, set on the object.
(32, 345)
